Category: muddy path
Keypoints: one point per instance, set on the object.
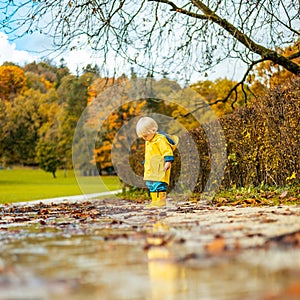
(117, 249)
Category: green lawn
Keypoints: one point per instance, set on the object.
(24, 184)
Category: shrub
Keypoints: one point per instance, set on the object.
(262, 142)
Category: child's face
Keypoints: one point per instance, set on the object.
(148, 136)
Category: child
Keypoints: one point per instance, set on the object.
(158, 159)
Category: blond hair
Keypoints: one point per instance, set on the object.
(146, 125)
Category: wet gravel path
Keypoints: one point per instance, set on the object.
(117, 249)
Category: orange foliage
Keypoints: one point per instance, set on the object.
(12, 82)
(271, 75)
(102, 155)
(110, 128)
(216, 90)
(47, 83)
(100, 85)
(113, 121)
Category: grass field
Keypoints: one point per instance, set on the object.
(25, 184)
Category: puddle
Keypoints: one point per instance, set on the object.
(46, 264)
(118, 250)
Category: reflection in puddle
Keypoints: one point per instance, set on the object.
(167, 279)
(92, 266)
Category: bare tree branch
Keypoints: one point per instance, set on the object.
(182, 37)
(240, 36)
(295, 55)
(235, 87)
(234, 90)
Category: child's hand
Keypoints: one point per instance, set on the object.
(167, 165)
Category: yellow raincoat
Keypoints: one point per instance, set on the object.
(158, 151)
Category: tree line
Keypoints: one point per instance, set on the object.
(41, 104)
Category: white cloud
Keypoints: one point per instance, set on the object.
(75, 60)
(8, 52)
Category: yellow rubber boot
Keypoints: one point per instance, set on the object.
(162, 199)
(158, 199)
(154, 199)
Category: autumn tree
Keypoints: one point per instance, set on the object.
(12, 81)
(30, 114)
(47, 72)
(73, 94)
(3, 119)
(218, 93)
(19, 134)
(47, 157)
(164, 36)
(48, 154)
(113, 121)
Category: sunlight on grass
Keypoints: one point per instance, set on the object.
(25, 184)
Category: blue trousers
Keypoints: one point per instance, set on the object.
(156, 186)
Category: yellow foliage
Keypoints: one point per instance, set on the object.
(12, 82)
(293, 176)
(47, 83)
(217, 91)
(100, 85)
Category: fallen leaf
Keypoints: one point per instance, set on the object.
(267, 220)
(284, 194)
(289, 239)
(292, 291)
(250, 201)
(216, 246)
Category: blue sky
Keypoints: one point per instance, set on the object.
(34, 47)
